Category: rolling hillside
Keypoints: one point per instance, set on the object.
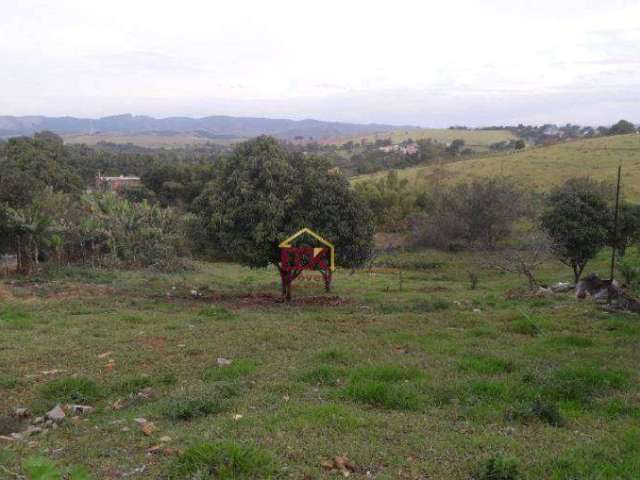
(214, 125)
(444, 135)
(544, 167)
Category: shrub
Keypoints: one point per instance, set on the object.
(223, 461)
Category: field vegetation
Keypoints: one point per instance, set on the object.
(441, 380)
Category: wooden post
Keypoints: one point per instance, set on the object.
(614, 242)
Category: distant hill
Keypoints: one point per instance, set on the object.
(221, 126)
(541, 168)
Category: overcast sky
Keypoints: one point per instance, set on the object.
(430, 63)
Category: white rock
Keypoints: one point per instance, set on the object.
(224, 361)
(56, 414)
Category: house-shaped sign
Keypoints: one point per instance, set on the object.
(286, 249)
(294, 260)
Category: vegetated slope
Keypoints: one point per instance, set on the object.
(150, 140)
(544, 167)
(218, 125)
(442, 135)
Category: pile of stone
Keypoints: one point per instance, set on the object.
(38, 425)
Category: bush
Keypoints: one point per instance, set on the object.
(478, 213)
(223, 461)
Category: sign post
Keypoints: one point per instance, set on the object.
(294, 260)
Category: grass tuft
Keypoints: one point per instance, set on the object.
(497, 468)
(210, 401)
(72, 390)
(485, 364)
(391, 396)
(326, 375)
(544, 411)
(581, 384)
(525, 326)
(222, 461)
(238, 369)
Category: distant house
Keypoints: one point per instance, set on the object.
(410, 149)
(115, 184)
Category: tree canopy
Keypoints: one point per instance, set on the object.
(261, 194)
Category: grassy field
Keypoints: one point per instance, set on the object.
(478, 138)
(148, 140)
(410, 377)
(543, 167)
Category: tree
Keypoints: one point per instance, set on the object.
(455, 148)
(622, 127)
(261, 195)
(478, 213)
(519, 144)
(628, 227)
(576, 220)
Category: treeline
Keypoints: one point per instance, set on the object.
(238, 205)
(550, 133)
(573, 222)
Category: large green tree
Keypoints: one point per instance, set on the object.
(261, 194)
(577, 220)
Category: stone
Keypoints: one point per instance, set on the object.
(80, 409)
(56, 414)
(22, 413)
(224, 361)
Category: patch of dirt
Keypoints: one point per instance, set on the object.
(252, 300)
(5, 293)
(154, 342)
(54, 290)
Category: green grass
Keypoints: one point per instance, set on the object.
(238, 369)
(541, 168)
(485, 364)
(79, 390)
(223, 461)
(403, 388)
